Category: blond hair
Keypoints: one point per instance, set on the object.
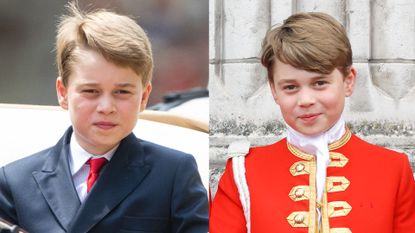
(116, 37)
(312, 41)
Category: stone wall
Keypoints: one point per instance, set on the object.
(382, 108)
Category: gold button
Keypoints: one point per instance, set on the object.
(299, 218)
(299, 192)
(300, 167)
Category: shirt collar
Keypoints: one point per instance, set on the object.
(310, 144)
(79, 156)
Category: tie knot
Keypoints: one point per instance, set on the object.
(97, 164)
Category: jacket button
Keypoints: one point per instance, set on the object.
(299, 218)
(299, 192)
(300, 167)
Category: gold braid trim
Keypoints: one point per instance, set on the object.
(297, 152)
(338, 208)
(342, 141)
(313, 193)
(337, 160)
(325, 225)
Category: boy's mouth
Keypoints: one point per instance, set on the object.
(309, 117)
(105, 125)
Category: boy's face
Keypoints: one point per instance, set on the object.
(311, 103)
(103, 101)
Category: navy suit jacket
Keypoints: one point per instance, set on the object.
(144, 188)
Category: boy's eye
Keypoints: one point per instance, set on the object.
(122, 92)
(290, 87)
(320, 83)
(90, 91)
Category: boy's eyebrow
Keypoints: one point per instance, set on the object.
(125, 85)
(117, 84)
(283, 81)
(288, 80)
(88, 84)
(322, 76)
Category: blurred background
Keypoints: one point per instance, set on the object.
(178, 30)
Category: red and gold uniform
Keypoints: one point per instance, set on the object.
(369, 189)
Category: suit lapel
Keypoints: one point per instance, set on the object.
(55, 182)
(119, 178)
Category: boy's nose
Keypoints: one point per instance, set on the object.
(306, 98)
(106, 105)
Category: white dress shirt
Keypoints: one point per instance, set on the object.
(80, 169)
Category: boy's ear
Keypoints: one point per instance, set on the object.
(62, 93)
(145, 96)
(349, 82)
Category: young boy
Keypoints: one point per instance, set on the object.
(320, 178)
(99, 177)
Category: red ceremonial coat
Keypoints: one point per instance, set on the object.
(369, 189)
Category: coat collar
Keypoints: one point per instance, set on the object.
(55, 182)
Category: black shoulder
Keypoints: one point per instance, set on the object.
(153, 149)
